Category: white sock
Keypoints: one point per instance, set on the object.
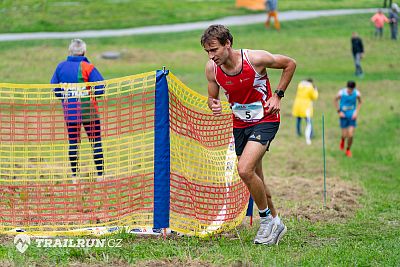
(264, 210)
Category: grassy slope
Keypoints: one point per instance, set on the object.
(52, 15)
(321, 48)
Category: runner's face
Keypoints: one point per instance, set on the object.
(217, 52)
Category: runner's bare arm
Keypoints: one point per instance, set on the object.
(336, 103)
(213, 90)
(355, 114)
(262, 60)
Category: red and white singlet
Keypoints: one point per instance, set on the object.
(247, 93)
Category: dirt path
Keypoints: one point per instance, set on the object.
(303, 198)
(229, 21)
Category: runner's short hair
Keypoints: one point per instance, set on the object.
(77, 47)
(351, 84)
(216, 31)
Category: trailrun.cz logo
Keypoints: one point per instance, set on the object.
(23, 241)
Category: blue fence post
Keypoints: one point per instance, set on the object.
(161, 152)
(249, 211)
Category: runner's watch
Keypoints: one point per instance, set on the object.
(280, 93)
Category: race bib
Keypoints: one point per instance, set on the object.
(346, 108)
(248, 112)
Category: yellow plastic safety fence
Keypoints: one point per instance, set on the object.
(207, 195)
(76, 158)
(72, 159)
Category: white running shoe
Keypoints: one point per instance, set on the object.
(267, 227)
(277, 234)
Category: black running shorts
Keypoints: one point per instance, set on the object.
(263, 133)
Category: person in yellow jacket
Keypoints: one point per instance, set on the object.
(303, 107)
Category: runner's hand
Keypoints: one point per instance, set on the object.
(273, 104)
(216, 107)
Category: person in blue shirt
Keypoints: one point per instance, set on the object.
(348, 109)
(80, 103)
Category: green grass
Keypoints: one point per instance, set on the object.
(370, 237)
(52, 15)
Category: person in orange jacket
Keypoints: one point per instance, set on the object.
(272, 12)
